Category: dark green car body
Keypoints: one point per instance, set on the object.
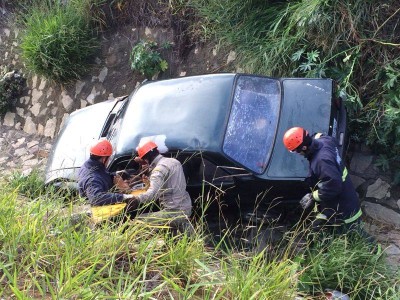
(227, 129)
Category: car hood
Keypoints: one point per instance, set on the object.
(70, 149)
(191, 113)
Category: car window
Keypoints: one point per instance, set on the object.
(113, 121)
(252, 122)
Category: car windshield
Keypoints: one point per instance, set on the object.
(252, 122)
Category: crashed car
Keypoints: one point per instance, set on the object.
(226, 129)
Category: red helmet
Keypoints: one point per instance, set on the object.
(294, 137)
(146, 148)
(101, 148)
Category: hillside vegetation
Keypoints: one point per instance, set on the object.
(47, 252)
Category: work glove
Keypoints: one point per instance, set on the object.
(306, 201)
(128, 197)
(319, 222)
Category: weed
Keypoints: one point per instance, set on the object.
(349, 264)
(256, 278)
(383, 114)
(146, 59)
(31, 186)
(45, 255)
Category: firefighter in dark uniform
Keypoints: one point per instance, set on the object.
(95, 182)
(336, 203)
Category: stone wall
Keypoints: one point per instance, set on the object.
(45, 104)
(380, 198)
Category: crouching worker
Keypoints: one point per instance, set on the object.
(335, 201)
(96, 184)
(167, 183)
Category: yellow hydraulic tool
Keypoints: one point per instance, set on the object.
(103, 212)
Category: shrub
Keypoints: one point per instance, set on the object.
(146, 58)
(11, 88)
(58, 41)
(383, 114)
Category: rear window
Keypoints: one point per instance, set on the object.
(252, 122)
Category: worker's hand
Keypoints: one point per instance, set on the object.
(131, 201)
(306, 201)
(140, 161)
(145, 180)
(318, 224)
(134, 180)
(121, 184)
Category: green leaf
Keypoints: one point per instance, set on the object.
(163, 65)
(346, 58)
(312, 56)
(297, 55)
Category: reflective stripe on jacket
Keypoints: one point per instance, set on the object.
(331, 184)
(95, 184)
(168, 184)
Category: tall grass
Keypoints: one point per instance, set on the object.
(254, 277)
(266, 34)
(58, 41)
(31, 186)
(46, 255)
(349, 264)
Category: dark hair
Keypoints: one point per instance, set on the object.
(306, 139)
(151, 155)
(95, 157)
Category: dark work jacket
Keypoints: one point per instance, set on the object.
(330, 182)
(95, 183)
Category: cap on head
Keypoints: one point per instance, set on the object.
(145, 148)
(102, 147)
(294, 137)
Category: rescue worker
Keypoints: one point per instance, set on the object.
(95, 182)
(336, 203)
(168, 184)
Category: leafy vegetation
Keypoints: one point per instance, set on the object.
(353, 42)
(47, 255)
(383, 113)
(146, 58)
(58, 41)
